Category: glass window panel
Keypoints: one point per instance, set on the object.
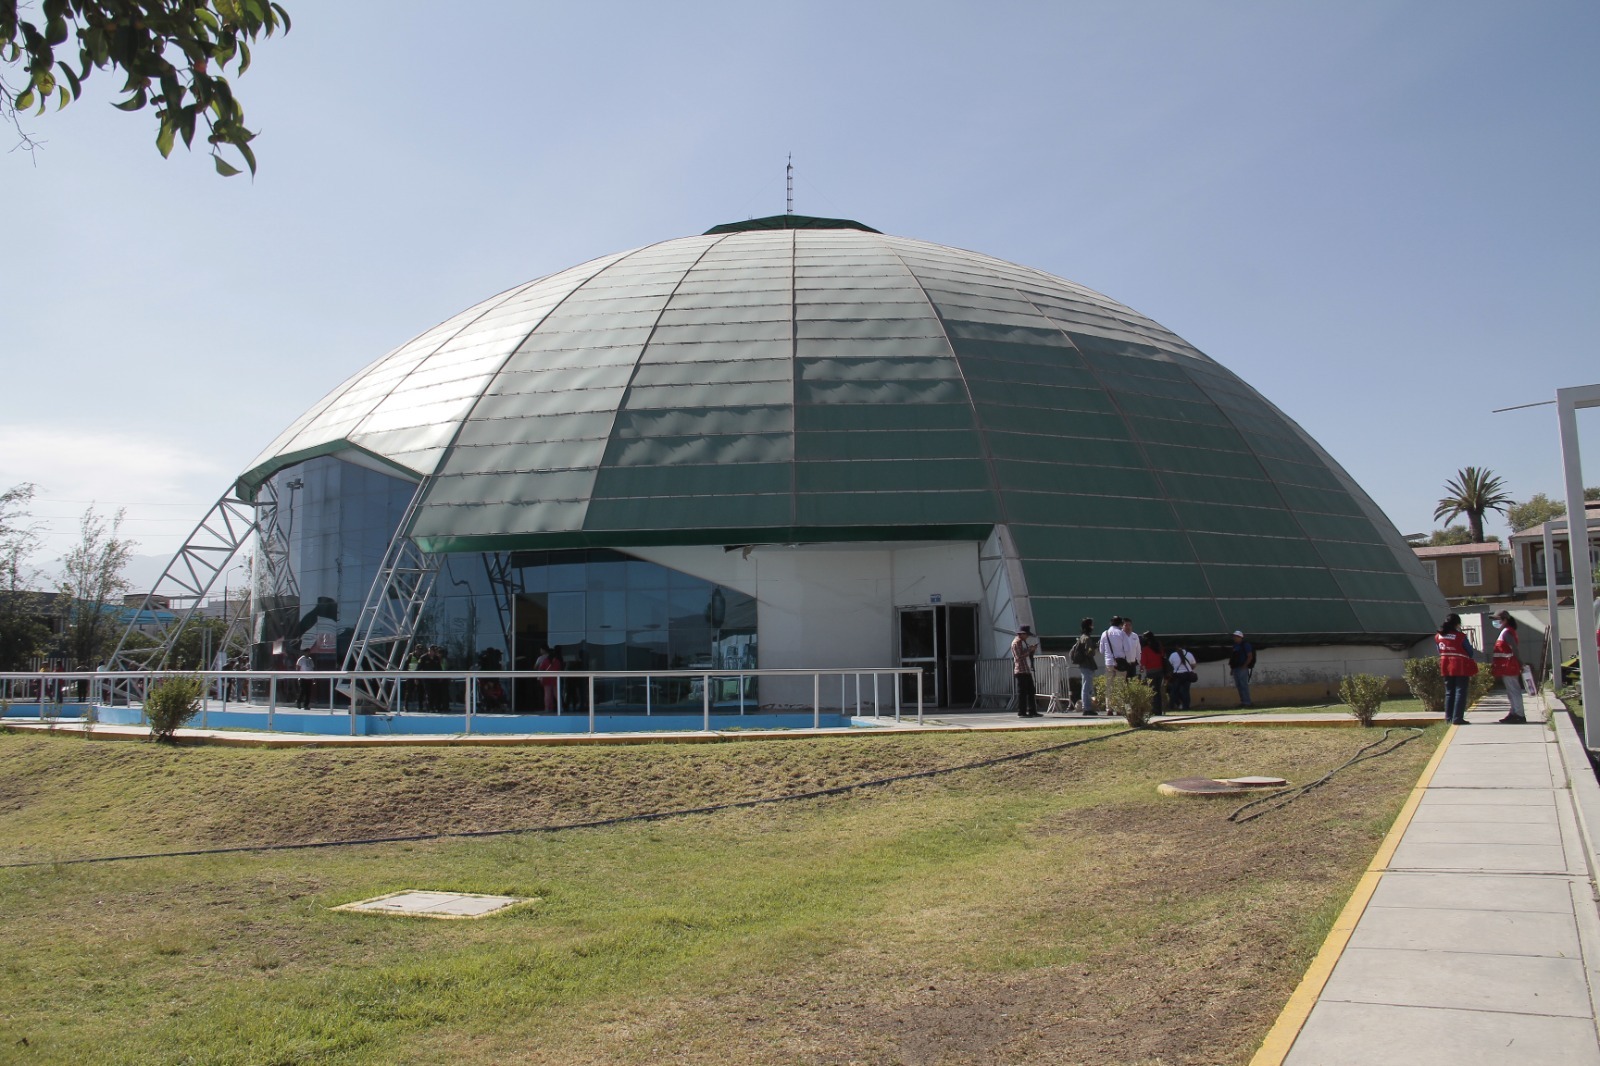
(873, 476)
(855, 417)
(648, 608)
(1346, 556)
(565, 611)
(1046, 578)
(1328, 501)
(1222, 548)
(1291, 616)
(905, 445)
(1339, 527)
(1272, 581)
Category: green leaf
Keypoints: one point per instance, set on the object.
(223, 167)
(164, 137)
(132, 103)
(24, 100)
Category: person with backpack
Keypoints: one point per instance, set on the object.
(1082, 654)
(1181, 663)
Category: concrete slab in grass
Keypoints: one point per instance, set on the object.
(416, 903)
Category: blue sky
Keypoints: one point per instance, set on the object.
(1381, 215)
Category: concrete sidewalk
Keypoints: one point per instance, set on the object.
(1475, 937)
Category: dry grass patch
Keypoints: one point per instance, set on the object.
(1049, 910)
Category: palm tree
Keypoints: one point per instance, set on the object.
(1473, 492)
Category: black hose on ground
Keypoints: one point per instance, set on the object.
(599, 823)
(1289, 795)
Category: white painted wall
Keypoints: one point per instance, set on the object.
(832, 605)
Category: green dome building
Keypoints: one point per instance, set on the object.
(859, 443)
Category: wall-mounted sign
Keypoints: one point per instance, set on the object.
(936, 598)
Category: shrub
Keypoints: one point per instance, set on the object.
(1363, 694)
(1480, 685)
(170, 703)
(1426, 683)
(1133, 698)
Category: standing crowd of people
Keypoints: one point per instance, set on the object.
(1119, 651)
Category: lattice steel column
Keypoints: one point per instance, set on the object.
(388, 621)
(205, 555)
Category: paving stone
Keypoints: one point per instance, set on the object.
(1492, 892)
(1491, 858)
(1437, 794)
(1507, 813)
(1419, 929)
(1545, 832)
(1520, 984)
(1370, 1034)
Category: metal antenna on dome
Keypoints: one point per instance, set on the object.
(790, 172)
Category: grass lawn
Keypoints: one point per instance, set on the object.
(1045, 910)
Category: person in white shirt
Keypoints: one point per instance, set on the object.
(305, 664)
(1119, 647)
(1183, 664)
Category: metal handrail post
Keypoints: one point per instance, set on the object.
(877, 705)
(647, 695)
(331, 688)
(919, 697)
(591, 703)
(816, 701)
(899, 686)
(272, 700)
(705, 700)
(472, 701)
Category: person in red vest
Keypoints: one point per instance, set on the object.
(1458, 664)
(1507, 665)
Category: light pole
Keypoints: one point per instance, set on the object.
(1568, 401)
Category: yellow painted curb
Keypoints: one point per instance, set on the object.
(1275, 1048)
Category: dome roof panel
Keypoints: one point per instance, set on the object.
(803, 381)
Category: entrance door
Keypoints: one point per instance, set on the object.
(942, 639)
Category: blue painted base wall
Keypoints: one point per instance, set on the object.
(451, 724)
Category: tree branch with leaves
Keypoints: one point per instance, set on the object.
(175, 55)
(90, 585)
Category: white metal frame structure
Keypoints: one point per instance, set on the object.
(190, 575)
(1568, 401)
(388, 621)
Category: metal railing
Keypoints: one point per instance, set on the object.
(476, 694)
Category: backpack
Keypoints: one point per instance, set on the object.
(1082, 652)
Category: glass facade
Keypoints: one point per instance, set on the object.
(599, 609)
(760, 384)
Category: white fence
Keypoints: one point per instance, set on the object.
(476, 694)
